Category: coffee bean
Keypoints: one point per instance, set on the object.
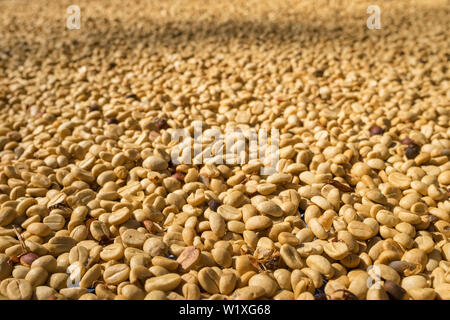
(318, 73)
(214, 204)
(407, 141)
(161, 124)
(179, 176)
(302, 213)
(132, 96)
(376, 130)
(112, 121)
(394, 290)
(94, 107)
(412, 151)
(319, 295)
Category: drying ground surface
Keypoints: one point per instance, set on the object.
(93, 207)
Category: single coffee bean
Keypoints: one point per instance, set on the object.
(318, 73)
(412, 151)
(161, 124)
(376, 130)
(94, 107)
(179, 176)
(19, 289)
(394, 291)
(214, 204)
(112, 121)
(28, 258)
(319, 295)
(189, 257)
(407, 141)
(132, 96)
